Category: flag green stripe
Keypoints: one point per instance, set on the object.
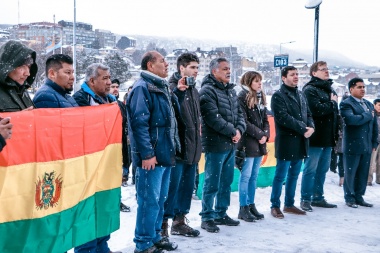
(264, 179)
(96, 216)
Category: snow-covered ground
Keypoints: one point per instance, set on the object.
(341, 229)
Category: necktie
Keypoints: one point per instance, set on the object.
(364, 106)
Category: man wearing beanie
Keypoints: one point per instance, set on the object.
(18, 70)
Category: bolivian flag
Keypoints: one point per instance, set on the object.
(60, 177)
(266, 172)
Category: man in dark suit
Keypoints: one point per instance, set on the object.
(359, 140)
(294, 125)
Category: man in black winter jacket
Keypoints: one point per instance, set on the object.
(18, 70)
(182, 177)
(323, 104)
(222, 126)
(294, 125)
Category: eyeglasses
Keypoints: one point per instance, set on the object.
(324, 69)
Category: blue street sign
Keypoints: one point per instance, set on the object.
(281, 60)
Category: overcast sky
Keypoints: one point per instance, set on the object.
(350, 27)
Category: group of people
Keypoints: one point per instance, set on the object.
(167, 124)
(308, 122)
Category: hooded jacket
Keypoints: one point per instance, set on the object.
(221, 115)
(189, 121)
(324, 112)
(13, 96)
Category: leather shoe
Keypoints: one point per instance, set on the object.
(352, 204)
(363, 203)
(293, 210)
(276, 212)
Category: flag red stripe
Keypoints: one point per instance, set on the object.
(43, 135)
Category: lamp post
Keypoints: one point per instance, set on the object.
(282, 43)
(314, 4)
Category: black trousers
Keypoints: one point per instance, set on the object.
(337, 161)
(356, 168)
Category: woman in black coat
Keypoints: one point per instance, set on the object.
(253, 142)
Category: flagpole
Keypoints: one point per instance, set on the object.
(61, 40)
(54, 34)
(74, 44)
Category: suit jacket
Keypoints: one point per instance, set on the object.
(360, 131)
(291, 116)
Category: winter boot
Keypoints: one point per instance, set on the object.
(255, 213)
(124, 181)
(210, 226)
(165, 244)
(179, 227)
(164, 229)
(245, 214)
(227, 221)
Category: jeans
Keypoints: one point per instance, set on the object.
(248, 179)
(152, 190)
(290, 170)
(219, 174)
(317, 164)
(99, 245)
(181, 186)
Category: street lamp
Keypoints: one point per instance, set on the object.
(314, 4)
(285, 43)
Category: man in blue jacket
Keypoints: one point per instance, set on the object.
(58, 85)
(154, 140)
(359, 140)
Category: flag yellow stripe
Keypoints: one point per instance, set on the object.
(269, 160)
(82, 177)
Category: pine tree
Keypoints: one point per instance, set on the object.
(119, 67)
